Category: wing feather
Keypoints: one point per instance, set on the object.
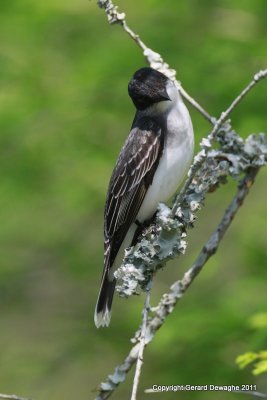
(129, 182)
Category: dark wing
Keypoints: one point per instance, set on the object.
(129, 182)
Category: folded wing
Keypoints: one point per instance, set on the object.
(130, 181)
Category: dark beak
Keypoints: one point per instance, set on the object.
(164, 95)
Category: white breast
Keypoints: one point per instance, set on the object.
(174, 163)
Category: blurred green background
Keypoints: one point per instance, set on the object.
(64, 114)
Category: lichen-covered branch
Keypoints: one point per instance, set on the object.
(167, 239)
(178, 289)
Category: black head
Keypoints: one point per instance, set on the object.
(147, 87)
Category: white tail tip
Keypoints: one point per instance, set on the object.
(102, 318)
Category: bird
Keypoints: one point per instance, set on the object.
(150, 167)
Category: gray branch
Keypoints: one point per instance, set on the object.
(142, 343)
(253, 393)
(11, 397)
(179, 288)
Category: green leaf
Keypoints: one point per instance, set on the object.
(260, 367)
(245, 359)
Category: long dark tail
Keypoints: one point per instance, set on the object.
(104, 301)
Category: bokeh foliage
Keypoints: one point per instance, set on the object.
(64, 115)
(258, 360)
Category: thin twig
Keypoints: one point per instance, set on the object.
(201, 156)
(11, 397)
(142, 344)
(197, 106)
(133, 35)
(224, 115)
(169, 301)
(154, 59)
(252, 393)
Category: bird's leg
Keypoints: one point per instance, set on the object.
(143, 228)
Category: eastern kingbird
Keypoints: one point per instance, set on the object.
(150, 167)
